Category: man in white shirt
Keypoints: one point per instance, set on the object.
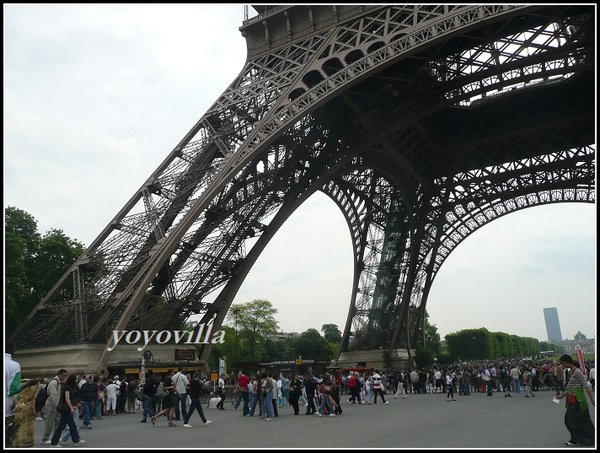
(180, 381)
(438, 381)
(487, 377)
(52, 416)
(12, 386)
(515, 374)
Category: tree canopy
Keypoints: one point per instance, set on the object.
(33, 263)
(311, 344)
(254, 321)
(473, 344)
(332, 333)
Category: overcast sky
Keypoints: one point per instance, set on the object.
(96, 96)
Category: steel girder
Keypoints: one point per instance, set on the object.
(423, 123)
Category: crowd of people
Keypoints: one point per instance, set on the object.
(65, 399)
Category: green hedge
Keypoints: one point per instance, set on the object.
(477, 344)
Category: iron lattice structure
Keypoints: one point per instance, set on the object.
(422, 123)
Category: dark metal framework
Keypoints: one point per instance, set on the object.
(422, 123)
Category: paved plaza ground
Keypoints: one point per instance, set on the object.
(420, 421)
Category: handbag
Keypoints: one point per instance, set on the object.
(62, 407)
(140, 394)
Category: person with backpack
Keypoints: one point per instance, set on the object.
(52, 396)
(157, 402)
(268, 388)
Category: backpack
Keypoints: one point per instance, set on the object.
(268, 385)
(42, 397)
(160, 392)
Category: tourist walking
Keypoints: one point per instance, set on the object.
(169, 401)
(400, 389)
(180, 381)
(194, 391)
(149, 395)
(221, 392)
(294, 394)
(66, 408)
(377, 387)
(52, 417)
(310, 387)
(577, 416)
(450, 385)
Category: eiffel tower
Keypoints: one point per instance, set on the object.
(422, 123)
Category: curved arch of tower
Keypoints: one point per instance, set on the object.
(422, 123)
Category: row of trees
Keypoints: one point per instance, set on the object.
(250, 330)
(34, 263)
(480, 343)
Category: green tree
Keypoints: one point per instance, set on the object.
(33, 264)
(56, 254)
(225, 349)
(17, 289)
(432, 337)
(423, 357)
(444, 358)
(23, 225)
(311, 345)
(255, 322)
(278, 350)
(387, 359)
(21, 242)
(331, 333)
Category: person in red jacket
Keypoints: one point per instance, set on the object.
(353, 386)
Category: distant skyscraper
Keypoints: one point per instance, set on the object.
(552, 324)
